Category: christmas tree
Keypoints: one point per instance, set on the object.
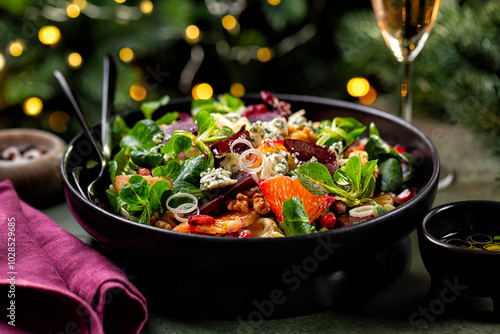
(456, 76)
(161, 48)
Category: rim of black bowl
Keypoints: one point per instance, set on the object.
(445, 207)
(427, 188)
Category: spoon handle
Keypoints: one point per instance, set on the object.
(84, 122)
(108, 93)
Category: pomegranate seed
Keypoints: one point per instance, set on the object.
(245, 234)
(400, 149)
(405, 195)
(144, 171)
(328, 220)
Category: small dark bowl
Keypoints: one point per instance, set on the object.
(463, 271)
(295, 275)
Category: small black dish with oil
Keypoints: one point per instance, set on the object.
(452, 241)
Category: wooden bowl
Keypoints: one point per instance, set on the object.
(36, 178)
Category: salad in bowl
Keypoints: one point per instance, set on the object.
(261, 170)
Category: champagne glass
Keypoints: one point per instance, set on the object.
(405, 26)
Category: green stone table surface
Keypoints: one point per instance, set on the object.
(400, 308)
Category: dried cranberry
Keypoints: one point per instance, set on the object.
(328, 220)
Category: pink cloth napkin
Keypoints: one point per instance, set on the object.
(51, 282)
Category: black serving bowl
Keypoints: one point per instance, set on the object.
(456, 269)
(296, 275)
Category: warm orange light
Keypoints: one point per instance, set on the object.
(229, 22)
(202, 91)
(2, 61)
(358, 87)
(32, 106)
(75, 60)
(73, 10)
(81, 4)
(369, 97)
(273, 2)
(146, 6)
(192, 34)
(49, 35)
(138, 92)
(16, 49)
(237, 89)
(58, 121)
(126, 54)
(265, 54)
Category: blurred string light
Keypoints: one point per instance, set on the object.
(32, 106)
(192, 34)
(361, 88)
(358, 87)
(230, 23)
(202, 91)
(369, 97)
(2, 61)
(273, 2)
(73, 10)
(82, 4)
(146, 6)
(126, 54)
(58, 121)
(119, 1)
(237, 89)
(75, 60)
(264, 54)
(49, 35)
(16, 49)
(137, 92)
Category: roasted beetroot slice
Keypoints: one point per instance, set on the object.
(305, 151)
(244, 182)
(187, 125)
(224, 146)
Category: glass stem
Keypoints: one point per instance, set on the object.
(406, 90)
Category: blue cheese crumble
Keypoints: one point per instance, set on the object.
(215, 178)
(275, 129)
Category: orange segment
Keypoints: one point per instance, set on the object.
(279, 188)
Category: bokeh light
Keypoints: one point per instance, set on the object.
(2, 61)
(73, 10)
(369, 97)
(264, 54)
(358, 87)
(16, 49)
(75, 60)
(137, 92)
(58, 121)
(126, 54)
(81, 4)
(229, 22)
(202, 91)
(237, 89)
(146, 6)
(49, 35)
(119, 1)
(32, 106)
(192, 34)
(273, 2)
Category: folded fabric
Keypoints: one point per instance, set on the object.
(51, 282)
